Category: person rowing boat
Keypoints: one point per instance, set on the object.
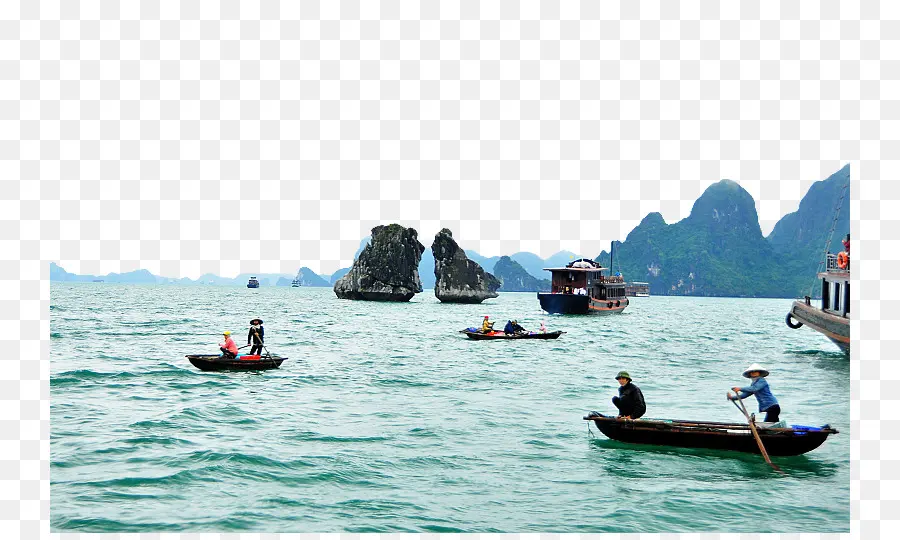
(759, 388)
(255, 335)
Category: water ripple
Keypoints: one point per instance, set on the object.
(384, 419)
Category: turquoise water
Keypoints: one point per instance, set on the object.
(385, 419)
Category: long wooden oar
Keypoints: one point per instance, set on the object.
(264, 347)
(752, 421)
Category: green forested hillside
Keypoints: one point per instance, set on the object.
(719, 250)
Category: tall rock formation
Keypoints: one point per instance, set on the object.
(718, 250)
(386, 269)
(515, 278)
(457, 278)
(808, 227)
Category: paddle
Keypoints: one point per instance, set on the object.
(263, 345)
(751, 420)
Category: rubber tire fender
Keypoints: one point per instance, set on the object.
(787, 321)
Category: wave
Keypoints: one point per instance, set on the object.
(401, 382)
(106, 525)
(318, 437)
(180, 478)
(160, 440)
(238, 458)
(157, 322)
(81, 376)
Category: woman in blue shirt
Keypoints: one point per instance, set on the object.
(759, 388)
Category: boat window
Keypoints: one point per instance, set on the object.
(846, 298)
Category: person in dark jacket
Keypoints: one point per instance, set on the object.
(630, 400)
(513, 327)
(255, 335)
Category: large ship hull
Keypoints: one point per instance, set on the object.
(834, 327)
(579, 304)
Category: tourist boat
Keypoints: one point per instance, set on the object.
(246, 362)
(580, 287)
(639, 289)
(253, 283)
(833, 317)
(787, 441)
(502, 335)
(297, 280)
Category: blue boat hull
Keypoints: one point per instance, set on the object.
(579, 304)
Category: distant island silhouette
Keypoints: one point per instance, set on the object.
(718, 250)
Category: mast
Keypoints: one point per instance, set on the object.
(612, 246)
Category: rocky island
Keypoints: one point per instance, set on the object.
(516, 279)
(386, 269)
(459, 279)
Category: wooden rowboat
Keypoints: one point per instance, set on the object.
(789, 441)
(215, 362)
(503, 335)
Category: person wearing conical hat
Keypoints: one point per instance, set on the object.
(759, 388)
(630, 400)
(229, 349)
(255, 335)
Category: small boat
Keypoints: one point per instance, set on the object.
(253, 283)
(502, 335)
(246, 362)
(639, 289)
(787, 441)
(580, 287)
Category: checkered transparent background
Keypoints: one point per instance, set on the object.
(191, 137)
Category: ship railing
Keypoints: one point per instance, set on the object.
(831, 264)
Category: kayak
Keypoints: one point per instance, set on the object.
(216, 362)
(504, 335)
(787, 441)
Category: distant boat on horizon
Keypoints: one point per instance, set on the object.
(297, 282)
(253, 283)
(639, 289)
(97, 281)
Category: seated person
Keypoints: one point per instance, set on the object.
(486, 326)
(229, 349)
(513, 328)
(630, 400)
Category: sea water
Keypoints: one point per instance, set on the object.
(386, 419)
